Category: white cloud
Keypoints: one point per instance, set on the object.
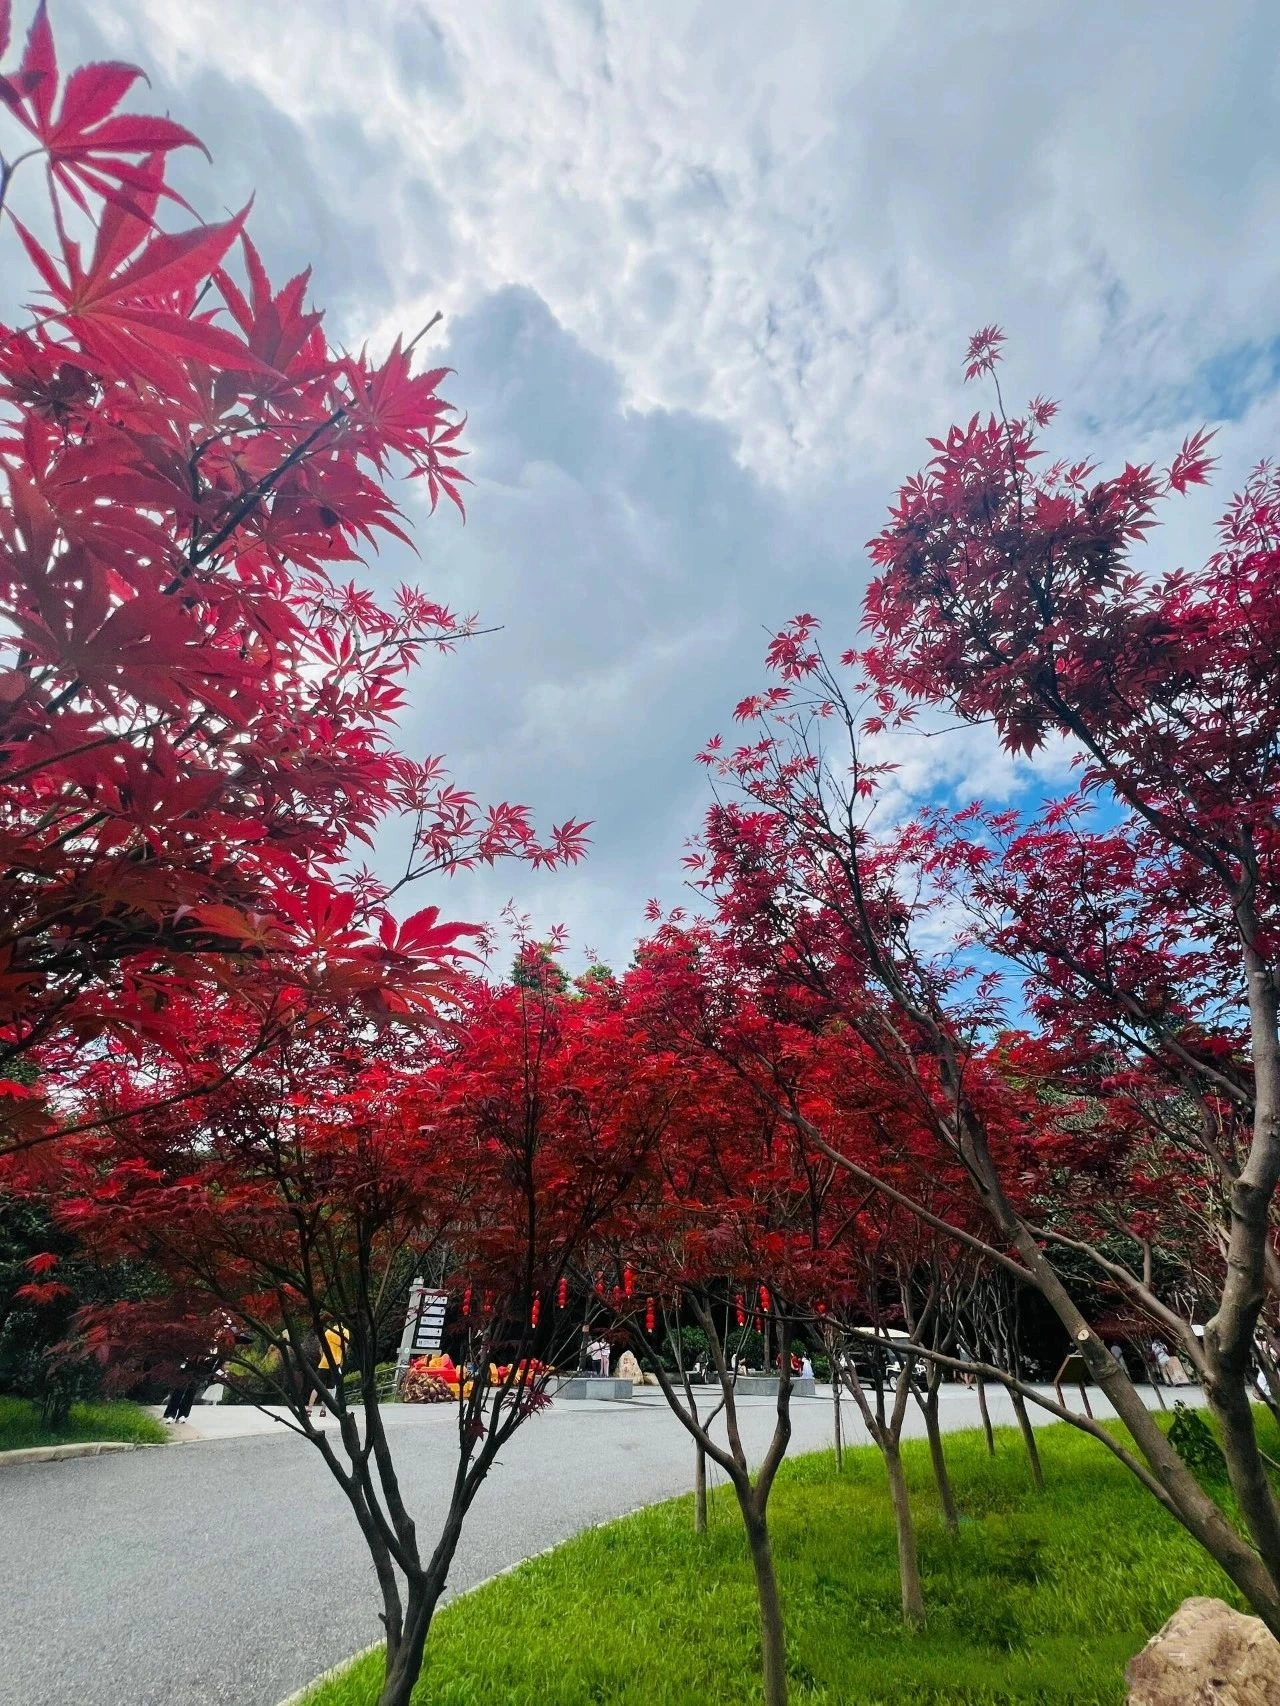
(788, 221)
(708, 272)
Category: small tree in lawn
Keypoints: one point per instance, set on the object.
(741, 1226)
(990, 1325)
(196, 692)
(862, 1261)
(899, 1270)
(292, 1198)
(879, 1369)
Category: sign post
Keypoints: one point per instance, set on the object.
(423, 1326)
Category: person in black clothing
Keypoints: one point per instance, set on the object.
(182, 1395)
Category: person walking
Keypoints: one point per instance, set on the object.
(327, 1359)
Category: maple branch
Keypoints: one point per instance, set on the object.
(104, 1121)
(7, 169)
(254, 496)
(419, 335)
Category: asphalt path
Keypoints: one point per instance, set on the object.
(229, 1571)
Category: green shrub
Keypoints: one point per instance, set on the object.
(1192, 1438)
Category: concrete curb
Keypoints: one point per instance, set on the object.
(298, 1697)
(333, 1673)
(77, 1448)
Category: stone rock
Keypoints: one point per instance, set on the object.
(1207, 1655)
(629, 1369)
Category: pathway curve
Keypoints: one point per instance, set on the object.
(229, 1572)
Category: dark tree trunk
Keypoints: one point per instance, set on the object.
(987, 1430)
(404, 1660)
(700, 1490)
(1028, 1439)
(1228, 1337)
(773, 1649)
(946, 1494)
(835, 1393)
(1255, 1569)
(908, 1557)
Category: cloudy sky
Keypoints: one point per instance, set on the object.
(707, 273)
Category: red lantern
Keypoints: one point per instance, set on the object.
(764, 1298)
(562, 1294)
(742, 1313)
(821, 1308)
(466, 1301)
(536, 1310)
(628, 1280)
(649, 1316)
(488, 1301)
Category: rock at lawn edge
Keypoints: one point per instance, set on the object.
(1207, 1655)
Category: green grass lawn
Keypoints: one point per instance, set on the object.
(1037, 1599)
(20, 1425)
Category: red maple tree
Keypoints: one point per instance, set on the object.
(294, 1202)
(197, 686)
(1008, 590)
(825, 895)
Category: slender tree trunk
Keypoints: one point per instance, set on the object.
(1028, 1439)
(404, 1660)
(699, 1490)
(1228, 1337)
(946, 1494)
(773, 1648)
(987, 1430)
(908, 1558)
(1229, 1400)
(835, 1394)
(1189, 1502)
(1153, 1375)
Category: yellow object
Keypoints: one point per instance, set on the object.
(336, 1346)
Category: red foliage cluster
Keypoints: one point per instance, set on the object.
(196, 697)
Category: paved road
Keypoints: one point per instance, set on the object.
(229, 1572)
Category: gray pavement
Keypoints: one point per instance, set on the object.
(228, 1571)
